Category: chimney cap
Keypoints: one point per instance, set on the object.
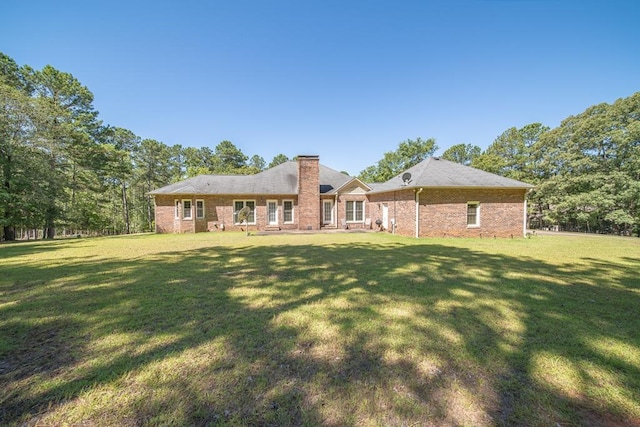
(308, 156)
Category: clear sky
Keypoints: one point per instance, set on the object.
(347, 80)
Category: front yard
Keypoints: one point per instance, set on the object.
(327, 329)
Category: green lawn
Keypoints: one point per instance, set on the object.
(332, 329)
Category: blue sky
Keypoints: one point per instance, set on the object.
(347, 80)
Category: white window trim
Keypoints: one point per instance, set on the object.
(190, 217)
(477, 224)
(354, 221)
(177, 207)
(292, 212)
(203, 209)
(244, 203)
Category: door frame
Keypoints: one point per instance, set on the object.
(330, 220)
(274, 202)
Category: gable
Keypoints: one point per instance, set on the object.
(353, 187)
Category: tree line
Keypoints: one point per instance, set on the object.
(64, 172)
(586, 170)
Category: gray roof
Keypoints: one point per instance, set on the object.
(283, 180)
(436, 172)
(280, 180)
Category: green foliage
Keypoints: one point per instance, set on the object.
(200, 161)
(586, 170)
(278, 159)
(24, 166)
(462, 153)
(512, 154)
(256, 164)
(409, 153)
(61, 168)
(591, 165)
(230, 159)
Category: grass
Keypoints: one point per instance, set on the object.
(333, 329)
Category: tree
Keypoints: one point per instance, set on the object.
(22, 166)
(119, 167)
(200, 161)
(586, 171)
(256, 164)
(152, 162)
(513, 154)
(408, 154)
(177, 163)
(243, 217)
(66, 137)
(462, 153)
(278, 159)
(229, 158)
(16, 131)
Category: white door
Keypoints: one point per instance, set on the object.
(327, 212)
(385, 216)
(272, 212)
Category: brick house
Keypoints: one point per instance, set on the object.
(434, 198)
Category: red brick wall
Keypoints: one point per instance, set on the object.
(401, 206)
(309, 192)
(341, 211)
(165, 214)
(443, 212)
(218, 212)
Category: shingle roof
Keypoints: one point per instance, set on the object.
(278, 180)
(436, 172)
(283, 180)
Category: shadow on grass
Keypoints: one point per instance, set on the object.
(14, 249)
(342, 334)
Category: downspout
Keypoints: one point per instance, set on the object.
(393, 220)
(418, 191)
(524, 216)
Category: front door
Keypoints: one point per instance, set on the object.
(327, 212)
(272, 212)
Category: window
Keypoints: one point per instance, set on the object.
(287, 211)
(355, 211)
(177, 204)
(199, 209)
(473, 214)
(186, 209)
(239, 204)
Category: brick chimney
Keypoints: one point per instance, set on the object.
(309, 192)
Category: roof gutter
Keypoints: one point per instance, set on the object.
(449, 187)
(418, 191)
